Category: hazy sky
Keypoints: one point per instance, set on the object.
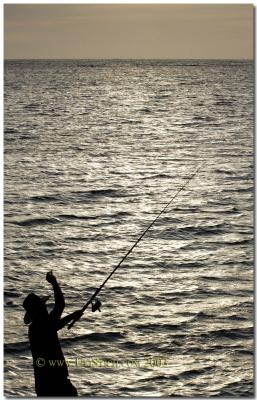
(128, 31)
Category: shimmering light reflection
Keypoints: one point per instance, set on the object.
(94, 150)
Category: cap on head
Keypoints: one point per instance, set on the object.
(33, 305)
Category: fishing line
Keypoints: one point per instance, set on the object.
(134, 245)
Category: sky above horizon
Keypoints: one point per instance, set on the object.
(52, 31)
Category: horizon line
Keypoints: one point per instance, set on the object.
(128, 59)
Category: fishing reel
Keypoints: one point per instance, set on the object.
(96, 304)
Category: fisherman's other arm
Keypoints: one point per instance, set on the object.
(68, 318)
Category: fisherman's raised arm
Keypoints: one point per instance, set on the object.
(58, 296)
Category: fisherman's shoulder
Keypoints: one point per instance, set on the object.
(41, 325)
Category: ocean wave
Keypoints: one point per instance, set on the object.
(76, 196)
(146, 110)
(191, 373)
(94, 193)
(203, 118)
(189, 208)
(217, 292)
(240, 190)
(32, 107)
(18, 347)
(37, 221)
(10, 130)
(75, 217)
(45, 198)
(118, 215)
(146, 346)
(97, 65)
(158, 176)
(221, 210)
(189, 232)
(246, 352)
(187, 374)
(188, 264)
(159, 327)
(231, 333)
(94, 337)
(23, 346)
(232, 242)
(11, 293)
(202, 315)
(240, 388)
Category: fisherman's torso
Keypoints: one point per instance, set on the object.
(48, 359)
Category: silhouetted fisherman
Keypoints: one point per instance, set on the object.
(51, 378)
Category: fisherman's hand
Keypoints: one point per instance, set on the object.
(50, 277)
(77, 314)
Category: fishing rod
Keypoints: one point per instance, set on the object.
(134, 245)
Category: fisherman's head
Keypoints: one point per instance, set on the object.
(35, 307)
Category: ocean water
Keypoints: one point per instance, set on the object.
(93, 151)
